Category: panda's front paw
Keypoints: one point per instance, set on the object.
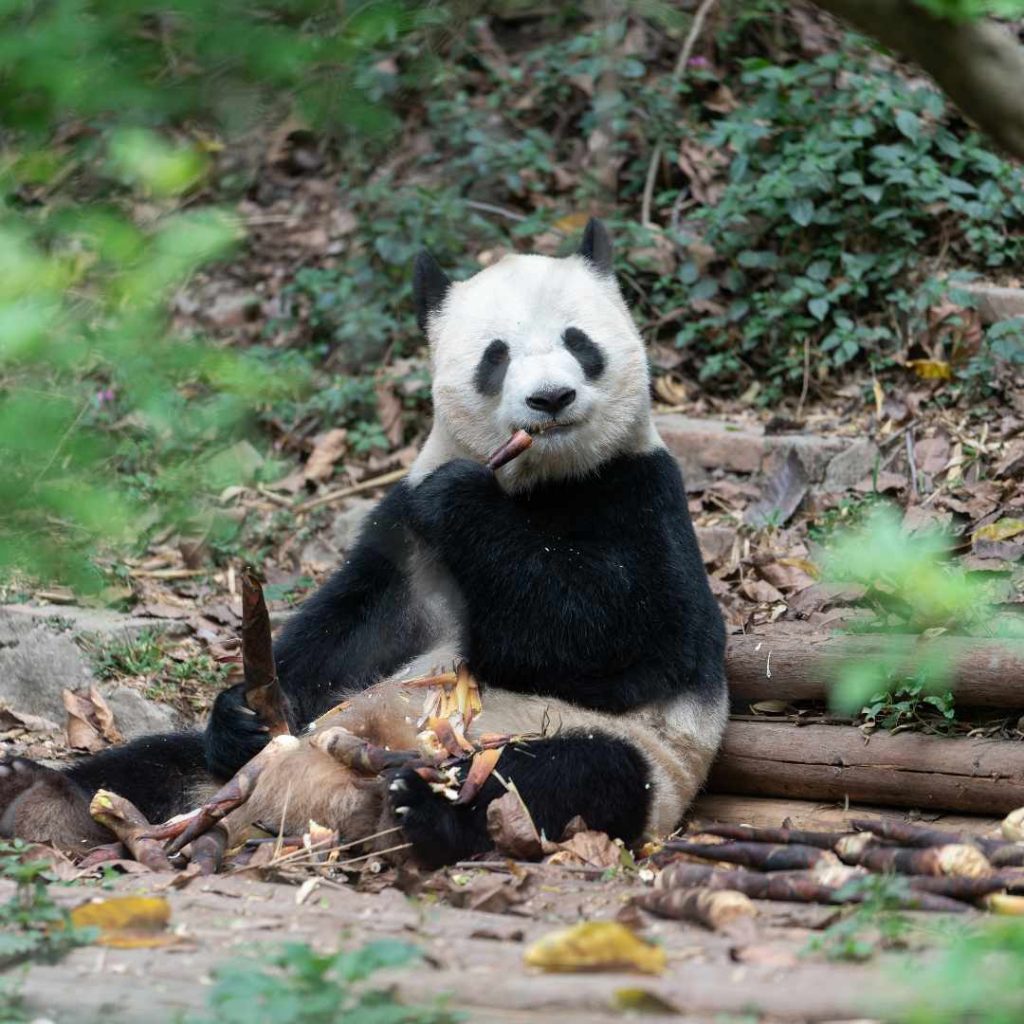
(234, 733)
(461, 485)
(436, 829)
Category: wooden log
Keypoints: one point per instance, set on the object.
(827, 762)
(771, 812)
(794, 666)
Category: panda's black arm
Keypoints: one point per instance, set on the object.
(359, 626)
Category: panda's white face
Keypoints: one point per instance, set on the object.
(542, 344)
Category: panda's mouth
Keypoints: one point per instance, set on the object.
(552, 427)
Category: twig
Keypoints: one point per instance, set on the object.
(384, 480)
(910, 463)
(476, 204)
(677, 74)
(167, 574)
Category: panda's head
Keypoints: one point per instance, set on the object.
(538, 343)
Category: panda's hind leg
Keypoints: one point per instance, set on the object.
(44, 805)
(598, 776)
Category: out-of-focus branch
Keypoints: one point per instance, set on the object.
(978, 64)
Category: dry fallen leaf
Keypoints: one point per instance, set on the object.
(90, 724)
(1002, 529)
(591, 849)
(127, 922)
(931, 369)
(595, 946)
(327, 449)
(512, 829)
(10, 719)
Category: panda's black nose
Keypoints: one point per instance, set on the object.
(551, 400)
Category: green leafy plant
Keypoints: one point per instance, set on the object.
(839, 180)
(977, 977)
(910, 586)
(866, 927)
(296, 985)
(32, 925)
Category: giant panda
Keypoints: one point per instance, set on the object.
(570, 582)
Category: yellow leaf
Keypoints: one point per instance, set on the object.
(931, 369)
(595, 946)
(571, 222)
(127, 922)
(1002, 903)
(803, 564)
(641, 1000)
(1002, 529)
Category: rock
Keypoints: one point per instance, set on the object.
(995, 303)
(36, 664)
(39, 659)
(849, 467)
(712, 444)
(16, 618)
(135, 715)
(347, 523)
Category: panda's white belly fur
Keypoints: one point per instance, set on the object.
(678, 740)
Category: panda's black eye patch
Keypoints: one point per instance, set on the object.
(490, 371)
(587, 354)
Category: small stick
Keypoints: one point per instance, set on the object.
(512, 448)
(362, 756)
(232, 794)
(126, 821)
(755, 855)
(208, 850)
(822, 840)
(262, 689)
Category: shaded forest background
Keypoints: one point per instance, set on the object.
(210, 214)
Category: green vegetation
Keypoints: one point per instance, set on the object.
(295, 985)
(32, 926)
(910, 586)
(868, 927)
(976, 979)
(802, 211)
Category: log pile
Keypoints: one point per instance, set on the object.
(837, 763)
(938, 871)
(788, 666)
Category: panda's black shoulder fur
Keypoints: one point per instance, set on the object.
(590, 589)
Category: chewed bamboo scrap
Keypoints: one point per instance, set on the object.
(232, 794)
(511, 449)
(127, 822)
(360, 755)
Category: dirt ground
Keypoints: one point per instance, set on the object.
(759, 969)
(472, 957)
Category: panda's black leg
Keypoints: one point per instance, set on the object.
(603, 779)
(234, 734)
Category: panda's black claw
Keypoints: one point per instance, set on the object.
(440, 832)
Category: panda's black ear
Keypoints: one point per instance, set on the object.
(430, 285)
(596, 247)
